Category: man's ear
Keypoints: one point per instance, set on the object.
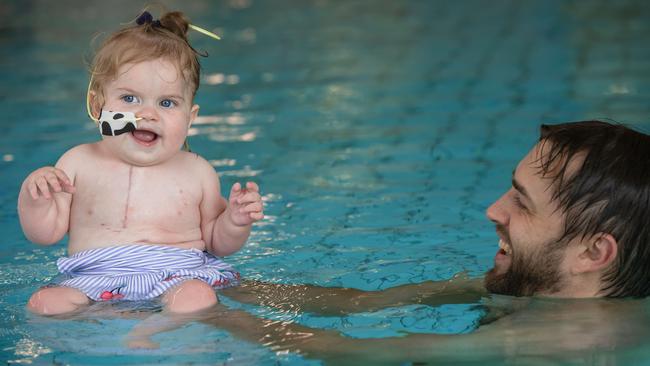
(596, 253)
(194, 112)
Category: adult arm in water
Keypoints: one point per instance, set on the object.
(339, 301)
(554, 330)
(328, 301)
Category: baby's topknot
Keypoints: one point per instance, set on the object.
(176, 23)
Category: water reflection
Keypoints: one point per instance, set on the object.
(223, 162)
(29, 350)
(620, 89)
(245, 172)
(233, 119)
(216, 79)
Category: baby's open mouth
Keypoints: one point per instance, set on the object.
(144, 136)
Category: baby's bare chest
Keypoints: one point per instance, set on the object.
(136, 196)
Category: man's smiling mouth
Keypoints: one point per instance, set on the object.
(504, 248)
(503, 257)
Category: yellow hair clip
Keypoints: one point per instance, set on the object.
(206, 32)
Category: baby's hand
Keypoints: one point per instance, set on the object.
(47, 180)
(245, 204)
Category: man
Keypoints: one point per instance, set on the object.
(572, 228)
(574, 223)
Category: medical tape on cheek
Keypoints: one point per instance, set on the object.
(116, 123)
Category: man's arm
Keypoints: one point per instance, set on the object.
(338, 301)
(336, 349)
(538, 328)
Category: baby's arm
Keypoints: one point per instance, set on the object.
(44, 202)
(226, 225)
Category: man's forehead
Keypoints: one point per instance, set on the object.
(526, 165)
(549, 163)
(528, 175)
(540, 180)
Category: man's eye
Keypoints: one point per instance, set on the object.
(167, 103)
(129, 98)
(518, 202)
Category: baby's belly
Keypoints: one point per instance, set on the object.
(86, 238)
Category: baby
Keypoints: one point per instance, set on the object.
(144, 217)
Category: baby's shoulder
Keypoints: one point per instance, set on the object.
(80, 154)
(196, 165)
(194, 161)
(78, 159)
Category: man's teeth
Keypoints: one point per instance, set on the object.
(505, 247)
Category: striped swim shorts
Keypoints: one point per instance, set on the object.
(141, 272)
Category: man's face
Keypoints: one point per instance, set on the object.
(530, 260)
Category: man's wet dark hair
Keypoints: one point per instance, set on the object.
(609, 193)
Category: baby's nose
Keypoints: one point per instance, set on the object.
(147, 113)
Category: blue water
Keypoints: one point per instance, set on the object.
(379, 132)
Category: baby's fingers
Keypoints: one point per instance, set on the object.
(256, 215)
(63, 178)
(68, 189)
(42, 185)
(235, 190)
(252, 186)
(33, 190)
(253, 207)
(53, 181)
(249, 197)
(254, 210)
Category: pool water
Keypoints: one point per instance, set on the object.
(379, 132)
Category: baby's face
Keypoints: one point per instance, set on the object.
(157, 93)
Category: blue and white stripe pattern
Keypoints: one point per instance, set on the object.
(141, 272)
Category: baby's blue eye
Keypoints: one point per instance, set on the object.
(129, 98)
(167, 103)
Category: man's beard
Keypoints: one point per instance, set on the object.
(529, 273)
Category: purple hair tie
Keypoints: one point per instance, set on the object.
(147, 18)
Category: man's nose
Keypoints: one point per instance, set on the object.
(497, 212)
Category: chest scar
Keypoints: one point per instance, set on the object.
(128, 200)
